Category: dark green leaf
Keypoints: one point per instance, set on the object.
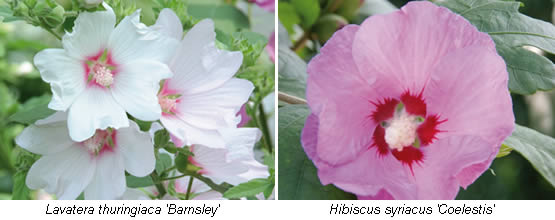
(181, 162)
(250, 188)
(138, 182)
(34, 109)
(301, 179)
(537, 148)
(161, 138)
(269, 190)
(288, 16)
(511, 31)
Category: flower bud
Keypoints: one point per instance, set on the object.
(55, 17)
(30, 3)
(21, 10)
(89, 3)
(67, 4)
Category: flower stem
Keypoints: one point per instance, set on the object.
(301, 42)
(219, 188)
(158, 184)
(172, 178)
(188, 195)
(264, 127)
(290, 99)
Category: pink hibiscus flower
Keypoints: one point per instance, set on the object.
(268, 5)
(408, 105)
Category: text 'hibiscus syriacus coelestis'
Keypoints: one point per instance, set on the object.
(202, 97)
(96, 166)
(104, 71)
(409, 105)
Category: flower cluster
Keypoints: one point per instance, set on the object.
(409, 105)
(105, 72)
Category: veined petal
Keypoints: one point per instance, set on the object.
(66, 76)
(189, 135)
(109, 178)
(132, 40)
(436, 176)
(401, 49)
(94, 109)
(65, 173)
(169, 24)
(240, 142)
(340, 98)
(216, 108)
(137, 150)
(136, 88)
(198, 65)
(487, 110)
(214, 165)
(45, 139)
(90, 33)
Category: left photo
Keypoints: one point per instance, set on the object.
(147, 99)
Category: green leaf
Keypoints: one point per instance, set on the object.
(301, 179)
(537, 148)
(288, 16)
(181, 162)
(20, 189)
(164, 162)
(309, 10)
(291, 70)
(161, 138)
(504, 151)
(226, 17)
(34, 109)
(251, 44)
(511, 30)
(250, 188)
(138, 182)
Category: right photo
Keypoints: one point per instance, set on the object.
(416, 100)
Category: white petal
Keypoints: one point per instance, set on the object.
(134, 194)
(66, 76)
(135, 88)
(198, 186)
(198, 65)
(132, 40)
(65, 173)
(45, 139)
(240, 142)
(137, 150)
(90, 33)
(256, 170)
(216, 108)
(109, 178)
(190, 134)
(214, 165)
(94, 109)
(169, 24)
(57, 117)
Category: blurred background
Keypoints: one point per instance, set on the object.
(310, 25)
(22, 88)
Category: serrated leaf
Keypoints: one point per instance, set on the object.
(34, 109)
(301, 180)
(138, 182)
(250, 188)
(511, 31)
(537, 148)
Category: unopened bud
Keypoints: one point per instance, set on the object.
(90, 3)
(55, 17)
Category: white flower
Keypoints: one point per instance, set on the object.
(199, 190)
(202, 97)
(103, 72)
(96, 166)
(235, 164)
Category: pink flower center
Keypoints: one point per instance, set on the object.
(404, 127)
(100, 69)
(168, 103)
(101, 141)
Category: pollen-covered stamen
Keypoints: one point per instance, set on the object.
(401, 130)
(101, 140)
(102, 75)
(168, 102)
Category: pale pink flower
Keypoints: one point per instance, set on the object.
(202, 97)
(456, 109)
(103, 71)
(96, 166)
(271, 47)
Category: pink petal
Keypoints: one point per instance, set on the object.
(340, 98)
(382, 195)
(402, 48)
(469, 89)
(271, 48)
